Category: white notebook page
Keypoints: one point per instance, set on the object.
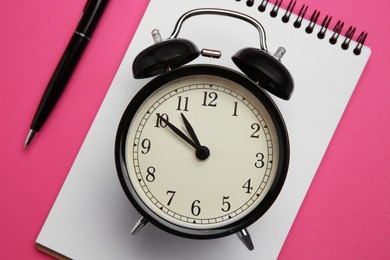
(92, 218)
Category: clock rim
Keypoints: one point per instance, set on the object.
(120, 151)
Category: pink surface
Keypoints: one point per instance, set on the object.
(346, 212)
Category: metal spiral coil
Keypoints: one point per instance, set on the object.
(313, 20)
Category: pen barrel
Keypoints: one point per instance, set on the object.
(92, 13)
(59, 79)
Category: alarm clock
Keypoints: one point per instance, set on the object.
(202, 151)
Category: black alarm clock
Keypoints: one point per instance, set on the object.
(202, 151)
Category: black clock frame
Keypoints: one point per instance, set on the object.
(120, 151)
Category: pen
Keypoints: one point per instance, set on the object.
(92, 12)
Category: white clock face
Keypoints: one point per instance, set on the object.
(224, 185)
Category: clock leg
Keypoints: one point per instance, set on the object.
(141, 223)
(245, 238)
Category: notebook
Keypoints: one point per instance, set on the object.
(92, 218)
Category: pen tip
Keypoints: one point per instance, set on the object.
(29, 138)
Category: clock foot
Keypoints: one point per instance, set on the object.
(140, 224)
(245, 238)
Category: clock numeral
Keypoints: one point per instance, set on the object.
(226, 204)
(146, 144)
(210, 99)
(150, 177)
(235, 109)
(248, 187)
(260, 161)
(182, 106)
(159, 122)
(256, 128)
(195, 209)
(172, 193)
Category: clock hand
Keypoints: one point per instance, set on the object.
(190, 130)
(202, 152)
(179, 133)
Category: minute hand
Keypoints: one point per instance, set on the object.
(179, 133)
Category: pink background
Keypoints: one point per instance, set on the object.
(346, 214)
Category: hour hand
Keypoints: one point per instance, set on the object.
(190, 130)
(202, 152)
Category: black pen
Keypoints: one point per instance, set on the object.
(92, 12)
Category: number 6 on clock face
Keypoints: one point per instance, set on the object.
(202, 151)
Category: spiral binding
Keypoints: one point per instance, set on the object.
(314, 18)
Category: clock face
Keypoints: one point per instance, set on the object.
(203, 149)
